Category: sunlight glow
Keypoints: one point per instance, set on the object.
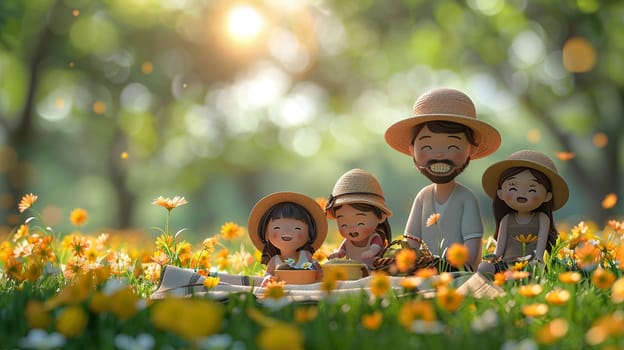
(244, 23)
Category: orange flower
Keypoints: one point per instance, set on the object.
(26, 202)
(529, 238)
(587, 255)
(500, 278)
(379, 284)
(405, 260)
(36, 315)
(570, 277)
(78, 216)
(322, 202)
(457, 254)
(552, 331)
(557, 297)
(617, 291)
(433, 219)
(306, 314)
(534, 310)
(275, 290)
(230, 230)
(372, 321)
(416, 310)
(449, 299)
(169, 203)
(530, 290)
(619, 256)
(426, 272)
(602, 278)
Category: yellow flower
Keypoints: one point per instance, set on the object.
(449, 299)
(78, 216)
(529, 238)
(280, 336)
(230, 230)
(379, 284)
(433, 219)
(99, 302)
(617, 291)
(71, 321)
(123, 303)
(209, 243)
(557, 297)
(457, 254)
(36, 315)
(21, 232)
(602, 278)
(275, 290)
(534, 310)
(570, 277)
(211, 282)
(552, 331)
(372, 321)
(530, 290)
(306, 314)
(410, 283)
(180, 316)
(26, 202)
(405, 259)
(518, 265)
(619, 256)
(169, 203)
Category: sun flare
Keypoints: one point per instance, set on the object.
(244, 22)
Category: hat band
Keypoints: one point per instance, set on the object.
(331, 200)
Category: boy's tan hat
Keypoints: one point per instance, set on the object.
(527, 159)
(444, 104)
(266, 203)
(357, 186)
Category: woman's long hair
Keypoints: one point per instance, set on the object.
(501, 208)
(286, 210)
(383, 227)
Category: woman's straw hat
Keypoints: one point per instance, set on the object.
(527, 159)
(357, 186)
(444, 104)
(262, 207)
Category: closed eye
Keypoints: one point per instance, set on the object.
(453, 147)
(426, 148)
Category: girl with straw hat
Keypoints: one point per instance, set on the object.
(287, 227)
(526, 188)
(358, 206)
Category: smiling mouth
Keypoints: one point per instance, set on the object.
(521, 199)
(439, 168)
(287, 238)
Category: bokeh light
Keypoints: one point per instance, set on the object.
(579, 56)
(244, 23)
(600, 140)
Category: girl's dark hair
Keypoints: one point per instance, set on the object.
(383, 227)
(501, 208)
(287, 210)
(445, 127)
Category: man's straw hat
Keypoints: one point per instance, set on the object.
(357, 186)
(527, 159)
(262, 207)
(444, 104)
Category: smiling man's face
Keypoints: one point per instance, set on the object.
(441, 156)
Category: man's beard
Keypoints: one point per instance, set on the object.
(446, 170)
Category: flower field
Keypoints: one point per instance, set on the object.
(79, 290)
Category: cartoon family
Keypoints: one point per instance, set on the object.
(441, 136)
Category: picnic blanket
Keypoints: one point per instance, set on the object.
(181, 282)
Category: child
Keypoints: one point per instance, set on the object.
(287, 227)
(358, 205)
(525, 189)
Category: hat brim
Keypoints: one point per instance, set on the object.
(491, 175)
(260, 209)
(399, 135)
(359, 198)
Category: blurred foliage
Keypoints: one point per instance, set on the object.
(107, 104)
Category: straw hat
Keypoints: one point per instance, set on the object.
(528, 159)
(357, 186)
(262, 207)
(444, 104)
